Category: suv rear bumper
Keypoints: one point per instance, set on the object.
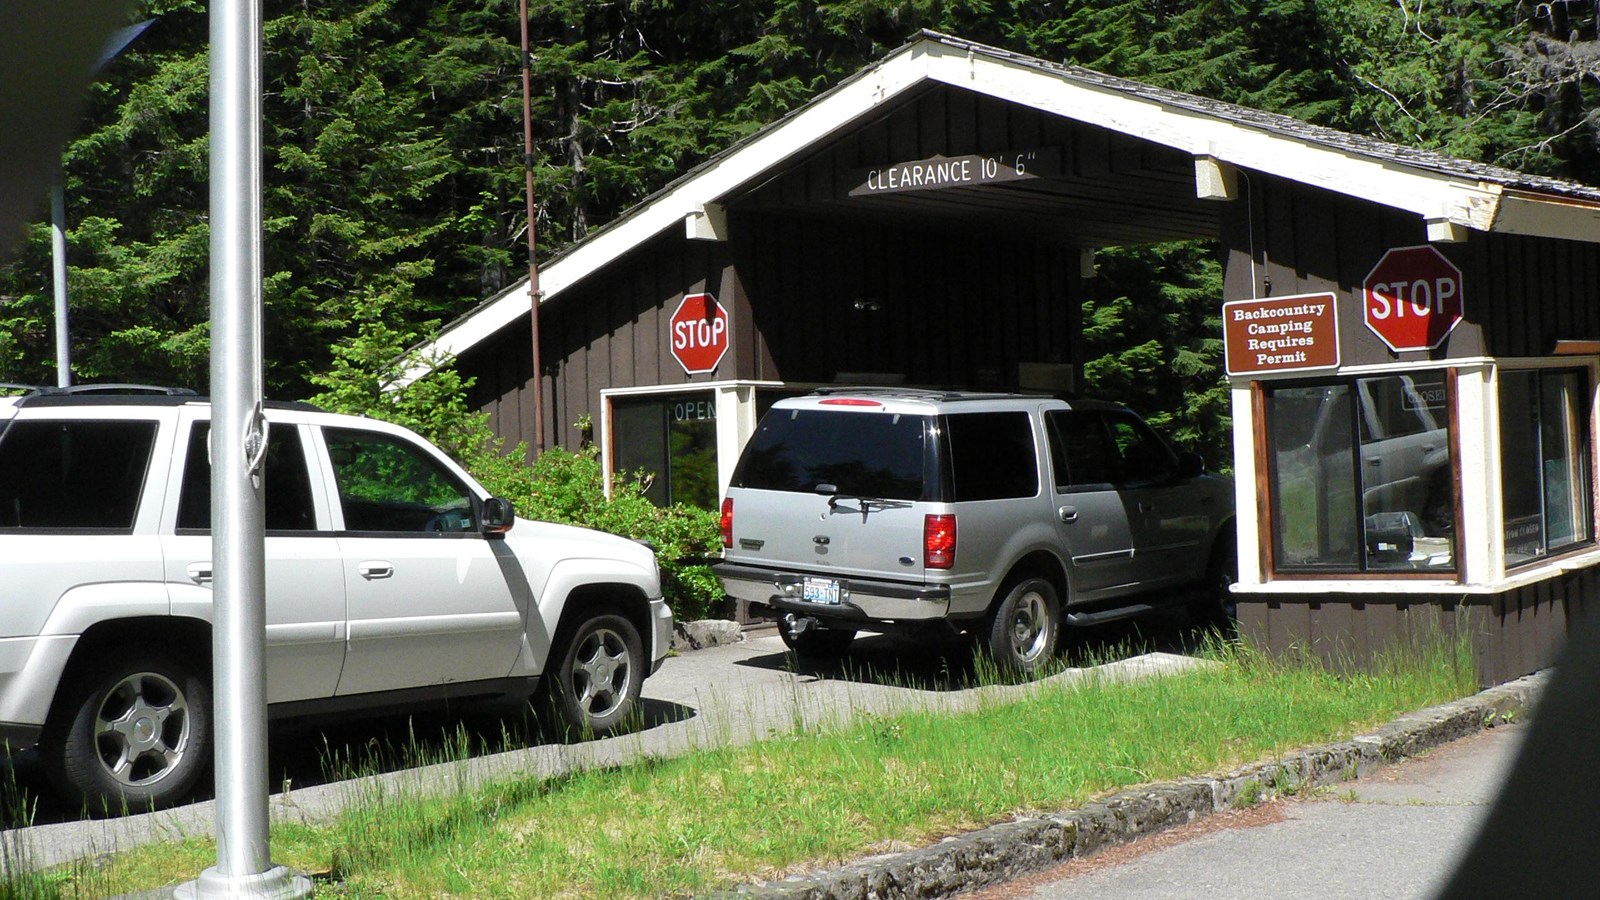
(860, 598)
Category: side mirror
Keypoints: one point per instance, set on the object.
(1190, 464)
(498, 515)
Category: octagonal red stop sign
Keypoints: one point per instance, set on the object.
(1412, 298)
(699, 333)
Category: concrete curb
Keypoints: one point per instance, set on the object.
(1011, 849)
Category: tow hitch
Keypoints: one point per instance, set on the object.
(798, 625)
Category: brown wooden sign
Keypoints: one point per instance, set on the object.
(940, 172)
(1281, 334)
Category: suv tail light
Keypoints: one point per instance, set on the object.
(727, 522)
(938, 540)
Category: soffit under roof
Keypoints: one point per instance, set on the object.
(1096, 187)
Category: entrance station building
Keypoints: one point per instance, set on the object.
(1412, 339)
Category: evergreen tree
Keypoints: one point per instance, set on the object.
(394, 161)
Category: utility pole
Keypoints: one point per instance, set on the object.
(533, 212)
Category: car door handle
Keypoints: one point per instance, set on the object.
(199, 572)
(1067, 514)
(373, 570)
(1374, 460)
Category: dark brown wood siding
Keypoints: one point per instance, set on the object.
(1520, 294)
(811, 301)
(1513, 634)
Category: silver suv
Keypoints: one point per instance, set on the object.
(392, 578)
(891, 509)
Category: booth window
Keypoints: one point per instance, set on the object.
(1544, 462)
(1361, 475)
(672, 438)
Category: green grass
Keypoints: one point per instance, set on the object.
(728, 815)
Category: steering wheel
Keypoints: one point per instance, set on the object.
(448, 520)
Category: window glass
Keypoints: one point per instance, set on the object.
(389, 484)
(285, 480)
(1146, 458)
(1545, 462)
(992, 456)
(73, 474)
(1081, 451)
(1361, 474)
(673, 441)
(1310, 452)
(863, 454)
(1407, 483)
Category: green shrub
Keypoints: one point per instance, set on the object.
(567, 487)
(561, 486)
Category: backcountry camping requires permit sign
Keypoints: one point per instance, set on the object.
(1281, 334)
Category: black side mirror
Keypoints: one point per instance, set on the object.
(498, 515)
(1190, 464)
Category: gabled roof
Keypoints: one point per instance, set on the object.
(1444, 191)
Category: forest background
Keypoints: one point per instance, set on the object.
(394, 164)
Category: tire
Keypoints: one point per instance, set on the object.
(132, 733)
(1025, 628)
(817, 643)
(598, 673)
(1215, 605)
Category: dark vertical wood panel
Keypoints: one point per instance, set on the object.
(1279, 226)
(932, 139)
(511, 372)
(993, 124)
(622, 308)
(1316, 242)
(904, 132)
(1516, 297)
(961, 123)
(1484, 294)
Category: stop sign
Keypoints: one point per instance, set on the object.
(699, 333)
(1412, 298)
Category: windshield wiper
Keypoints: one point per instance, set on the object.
(867, 504)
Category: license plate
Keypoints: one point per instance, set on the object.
(820, 590)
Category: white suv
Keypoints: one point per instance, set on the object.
(392, 578)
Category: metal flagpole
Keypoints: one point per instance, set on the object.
(238, 446)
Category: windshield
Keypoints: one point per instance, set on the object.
(878, 455)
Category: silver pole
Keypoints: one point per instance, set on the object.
(238, 440)
(58, 260)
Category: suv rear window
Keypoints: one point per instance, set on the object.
(59, 474)
(883, 455)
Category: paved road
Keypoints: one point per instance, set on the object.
(1395, 834)
(718, 696)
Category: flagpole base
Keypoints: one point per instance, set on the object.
(277, 883)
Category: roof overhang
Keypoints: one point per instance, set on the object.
(1449, 201)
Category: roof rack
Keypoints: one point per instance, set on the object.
(912, 393)
(30, 390)
(157, 389)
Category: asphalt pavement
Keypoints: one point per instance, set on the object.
(1397, 833)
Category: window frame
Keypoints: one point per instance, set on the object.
(186, 438)
(1267, 480)
(1540, 368)
(141, 489)
(325, 437)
